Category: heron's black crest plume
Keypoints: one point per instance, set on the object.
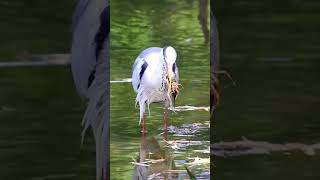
(164, 51)
(174, 67)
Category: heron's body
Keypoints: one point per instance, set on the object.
(150, 77)
(90, 69)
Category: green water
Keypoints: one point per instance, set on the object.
(274, 100)
(34, 27)
(136, 25)
(40, 112)
(40, 124)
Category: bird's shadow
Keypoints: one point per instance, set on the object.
(154, 160)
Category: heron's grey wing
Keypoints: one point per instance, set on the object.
(90, 66)
(137, 68)
(145, 53)
(96, 115)
(86, 25)
(145, 58)
(97, 112)
(79, 11)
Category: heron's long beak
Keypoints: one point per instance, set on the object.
(172, 91)
(170, 76)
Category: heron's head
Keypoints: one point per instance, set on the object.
(169, 55)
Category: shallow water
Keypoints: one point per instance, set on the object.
(272, 53)
(145, 24)
(40, 116)
(34, 27)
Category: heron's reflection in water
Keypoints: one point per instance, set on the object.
(155, 161)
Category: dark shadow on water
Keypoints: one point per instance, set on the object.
(154, 161)
(158, 156)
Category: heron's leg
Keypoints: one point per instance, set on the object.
(143, 138)
(143, 125)
(165, 122)
(165, 119)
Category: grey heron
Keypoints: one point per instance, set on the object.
(155, 78)
(90, 69)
